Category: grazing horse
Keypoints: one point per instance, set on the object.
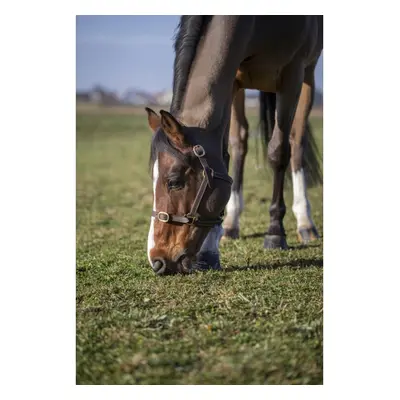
(305, 161)
(216, 58)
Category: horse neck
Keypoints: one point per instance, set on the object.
(210, 87)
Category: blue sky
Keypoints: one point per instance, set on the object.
(123, 52)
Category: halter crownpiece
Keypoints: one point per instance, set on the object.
(191, 218)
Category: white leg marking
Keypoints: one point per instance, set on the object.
(150, 237)
(234, 209)
(301, 205)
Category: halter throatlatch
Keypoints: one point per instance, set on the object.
(192, 218)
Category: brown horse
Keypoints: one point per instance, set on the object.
(305, 161)
(217, 57)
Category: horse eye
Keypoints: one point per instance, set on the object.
(175, 184)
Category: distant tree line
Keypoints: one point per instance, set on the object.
(102, 96)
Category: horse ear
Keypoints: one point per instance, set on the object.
(172, 128)
(153, 118)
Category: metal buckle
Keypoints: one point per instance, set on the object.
(194, 219)
(166, 216)
(199, 151)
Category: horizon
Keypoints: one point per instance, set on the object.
(131, 52)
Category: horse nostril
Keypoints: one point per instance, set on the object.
(159, 266)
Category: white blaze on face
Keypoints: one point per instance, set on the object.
(150, 237)
(233, 209)
(301, 206)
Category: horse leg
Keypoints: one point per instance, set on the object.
(208, 256)
(306, 230)
(238, 135)
(279, 151)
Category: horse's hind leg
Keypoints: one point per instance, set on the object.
(306, 230)
(238, 136)
(279, 151)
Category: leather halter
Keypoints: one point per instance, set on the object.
(192, 217)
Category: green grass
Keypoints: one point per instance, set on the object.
(258, 321)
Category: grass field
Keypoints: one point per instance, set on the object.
(258, 321)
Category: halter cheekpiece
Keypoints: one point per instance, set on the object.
(192, 218)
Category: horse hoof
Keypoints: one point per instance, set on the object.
(231, 234)
(307, 235)
(275, 242)
(206, 261)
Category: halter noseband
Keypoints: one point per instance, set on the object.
(191, 218)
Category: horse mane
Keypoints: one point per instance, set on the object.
(187, 37)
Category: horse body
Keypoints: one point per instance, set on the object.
(276, 43)
(216, 58)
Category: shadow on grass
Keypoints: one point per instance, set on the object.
(253, 235)
(295, 264)
(299, 246)
(305, 246)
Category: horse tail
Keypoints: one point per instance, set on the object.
(267, 106)
(312, 158)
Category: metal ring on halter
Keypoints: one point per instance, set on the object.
(164, 214)
(199, 151)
